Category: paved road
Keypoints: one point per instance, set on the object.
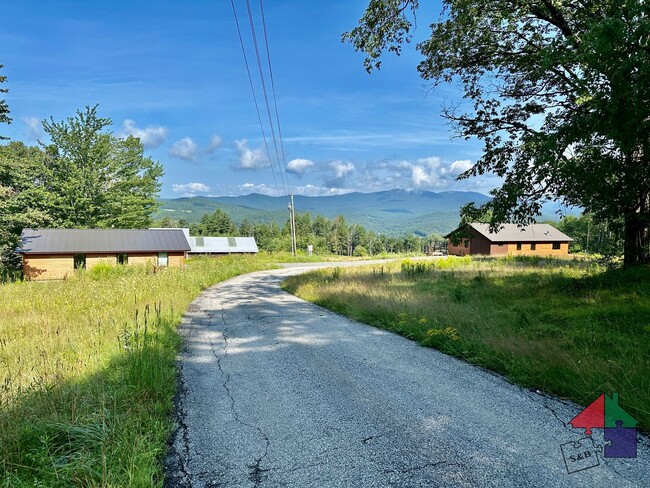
(279, 392)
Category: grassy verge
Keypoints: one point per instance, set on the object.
(87, 372)
(302, 257)
(571, 329)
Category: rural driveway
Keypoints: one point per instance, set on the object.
(276, 391)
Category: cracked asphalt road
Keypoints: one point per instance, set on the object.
(275, 391)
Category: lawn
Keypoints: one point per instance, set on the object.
(88, 371)
(573, 329)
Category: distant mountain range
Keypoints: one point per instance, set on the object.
(392, 212)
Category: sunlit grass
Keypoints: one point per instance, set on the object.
(88, 372)
(571, 329)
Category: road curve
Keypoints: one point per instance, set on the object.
(275, 391)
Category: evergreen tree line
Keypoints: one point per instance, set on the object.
(327, 236)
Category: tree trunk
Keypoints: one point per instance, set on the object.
(637, 239)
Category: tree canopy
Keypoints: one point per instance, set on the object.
(99, 180)
(558, 92)
(4, 108)
(85, 178)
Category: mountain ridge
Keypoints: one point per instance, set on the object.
(392, 212)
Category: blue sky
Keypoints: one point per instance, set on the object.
(172, 73)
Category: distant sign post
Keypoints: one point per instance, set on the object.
(310, 249)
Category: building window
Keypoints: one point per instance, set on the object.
(556, 245)
(532, 246)
(122, 259)
(466, 243)
(519, 246)
(200, 242)
(163, 259)
(79, 261)
(500, 244)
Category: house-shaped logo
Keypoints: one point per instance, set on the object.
(620, 426)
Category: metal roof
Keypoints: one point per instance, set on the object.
(528, 233)
(67, 241)
(222, 245)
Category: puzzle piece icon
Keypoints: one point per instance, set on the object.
(622, 441)
(580, 455)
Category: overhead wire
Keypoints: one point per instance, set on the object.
(275, 101)
(264, 90)
(257, 109)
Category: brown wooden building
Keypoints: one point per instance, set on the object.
(531, 240)
(51, 254)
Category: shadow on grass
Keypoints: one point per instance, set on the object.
(571, 332)
(106, 429)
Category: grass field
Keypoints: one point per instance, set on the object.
(88, 374)
(571, 329)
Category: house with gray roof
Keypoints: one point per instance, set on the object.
(50, 254)
(533, 239)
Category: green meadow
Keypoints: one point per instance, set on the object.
(88, 373)
(573, 329)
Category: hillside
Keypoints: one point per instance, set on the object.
(390, 212)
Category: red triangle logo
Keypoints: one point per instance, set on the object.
(591, 417)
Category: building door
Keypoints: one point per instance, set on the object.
(163, 259)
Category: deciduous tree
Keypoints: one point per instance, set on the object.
(558, 92)
(4, 108)
(99, 180)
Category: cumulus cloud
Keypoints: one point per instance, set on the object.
(460, 166)
(250, 158)
(299, 166)
(184, 148)
(215, 143)
(432, 162)
(341, 169)
(150, 136)
(33, 128)
(337, 174)
(190, 188)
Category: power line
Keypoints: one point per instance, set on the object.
(250, 81)
(275, 101)
(264, 91)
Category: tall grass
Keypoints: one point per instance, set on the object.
(87, 371)
(571, 329)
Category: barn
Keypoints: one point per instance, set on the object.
(222, 245)
(530, 240)
(51, 254)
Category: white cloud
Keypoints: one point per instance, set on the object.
(215, 143)
(151, 136)
(460, 166)
(190, 188)
(341, 169)
(184, 148)
(33, 128)
(250, 158)
(432, 162)
(299, 166)
(421, 177)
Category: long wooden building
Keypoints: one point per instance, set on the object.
(51, 254)
(531, 240)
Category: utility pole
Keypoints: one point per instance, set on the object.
(292, 220)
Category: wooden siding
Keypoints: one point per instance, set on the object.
(47, 267)
(143, 258)
(541, 249)
(459, 250)
(58, 266)
(93, 259)
(176, 259)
